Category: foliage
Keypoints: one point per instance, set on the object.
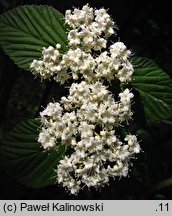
(22, 157)
(155, 89)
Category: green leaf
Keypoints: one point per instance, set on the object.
(155, 89)
(25, 30)
(22, 157)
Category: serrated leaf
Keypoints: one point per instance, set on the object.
(22, 157)
(25, 30)
(155, 89)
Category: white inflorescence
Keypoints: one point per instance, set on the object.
(91, 29)
(88, 118)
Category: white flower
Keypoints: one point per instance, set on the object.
(86, 129)
(126, 96)
(73, 38)
(133, 143)
(119, 50)
(46, 139)
(53, 110)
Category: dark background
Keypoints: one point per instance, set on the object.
(146, 28)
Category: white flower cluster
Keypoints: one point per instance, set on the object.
(87, 120)
(88, 106)
(90, 28)
(50, 65)
(89, 34)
